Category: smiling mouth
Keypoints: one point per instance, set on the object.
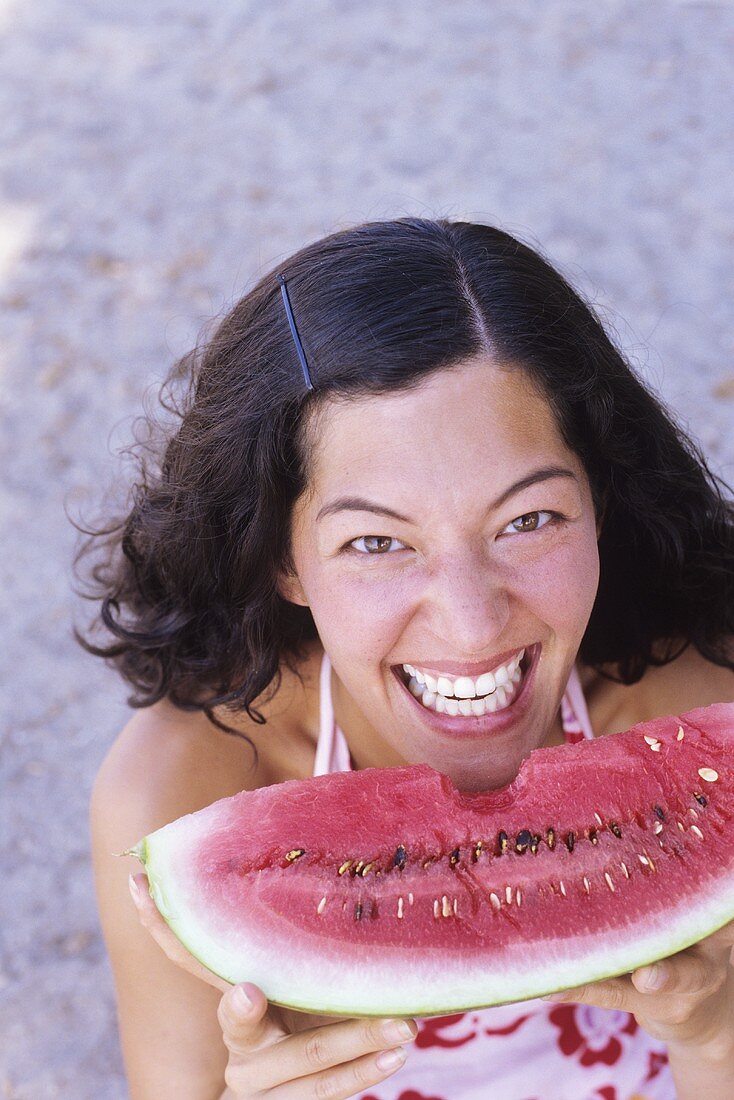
(497, 691)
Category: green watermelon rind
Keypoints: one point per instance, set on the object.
(677, 932)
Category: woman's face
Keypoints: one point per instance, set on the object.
(448, 529)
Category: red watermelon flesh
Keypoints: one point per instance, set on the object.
(388, 891)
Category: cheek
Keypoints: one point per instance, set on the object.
(362, 618)
(561, 586)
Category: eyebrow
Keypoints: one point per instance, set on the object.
(360, 504)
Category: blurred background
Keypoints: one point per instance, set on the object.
(158, 158)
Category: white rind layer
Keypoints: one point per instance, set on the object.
(426, 982)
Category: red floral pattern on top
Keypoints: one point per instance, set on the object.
(408, 1094)
(590, 1034)
(429, 1032)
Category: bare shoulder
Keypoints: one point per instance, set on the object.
(687, 682)
(166, 763)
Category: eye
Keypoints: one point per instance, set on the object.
(531, 521)
(375, 544)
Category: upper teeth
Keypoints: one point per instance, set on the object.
(464, 687)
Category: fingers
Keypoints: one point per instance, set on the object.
(152, 920)
(344, 1054)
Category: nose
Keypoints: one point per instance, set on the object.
(469, 606)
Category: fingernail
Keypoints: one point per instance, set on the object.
(398, 1031)
(133, 888)
(391, 1059)
(554, 997)
(652, 977)
(241, 1000)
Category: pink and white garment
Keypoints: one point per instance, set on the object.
(531, 1050)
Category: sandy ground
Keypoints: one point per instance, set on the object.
(158, 158)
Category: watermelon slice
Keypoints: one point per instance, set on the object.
(390, 892)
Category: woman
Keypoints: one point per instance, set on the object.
(413, 458)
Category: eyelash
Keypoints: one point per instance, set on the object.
(556, 517)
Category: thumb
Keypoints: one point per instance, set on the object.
(245, 1021)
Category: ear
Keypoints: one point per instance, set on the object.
(289, 587)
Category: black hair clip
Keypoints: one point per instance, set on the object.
(294, 332)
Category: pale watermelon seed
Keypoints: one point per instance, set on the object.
(610, 884)
(321, 906)
(708, 774)
(435, 907)
(496, 903)
(445, 907)
(508, 895)
(658, 828)
(695, 829)
(598, 819)
(679, 735)
(294, 854)
(410, 899)
(586, 884)
(563, 888)
(624, 868)
(400, 908)
(344, 867)
(518, 896)
(693, 813)
(681, 826)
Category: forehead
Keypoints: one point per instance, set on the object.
(474, 422)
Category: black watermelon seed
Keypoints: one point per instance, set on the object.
(522, 841)
(615, 829)
(454, 858)
(476, 851)
(502, 841)
(701, 799)
(570, 838)
(660, 813)
(550, 836)
(358, 911)
(534, 844)
(399, 857)
(593, 836)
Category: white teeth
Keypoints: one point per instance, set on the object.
(432, 700)
(485, 684)
(464, 688)
(444, 686)
(489, 693)
(414, 687)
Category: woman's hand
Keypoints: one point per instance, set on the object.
(693, 1006)
(268, 1050)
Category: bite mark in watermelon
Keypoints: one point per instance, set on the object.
(390, 892)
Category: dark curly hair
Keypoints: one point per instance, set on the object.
(187, 580)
